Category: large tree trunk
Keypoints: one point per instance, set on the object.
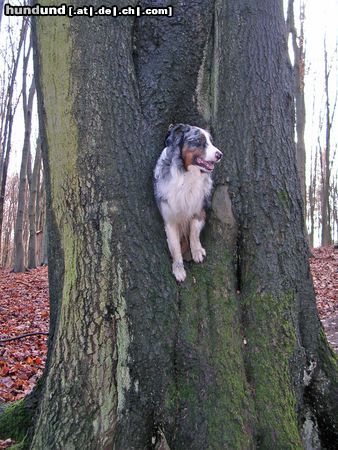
(233, 358)
(286, 341)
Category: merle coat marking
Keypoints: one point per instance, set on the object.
(182, 185)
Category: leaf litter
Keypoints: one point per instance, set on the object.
(324, 269)
(24, 308)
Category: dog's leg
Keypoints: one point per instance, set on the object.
(173, 237)
(185, 249)
(196, 225)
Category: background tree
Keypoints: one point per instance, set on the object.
(321, 132)
(10, 207)
(235, 357)
(313, 199)
(33, 208)
(8, 107)
(335, 204)
(1, 10)
(27, 101)
(326, 156)
(298, 46)
(40, 213)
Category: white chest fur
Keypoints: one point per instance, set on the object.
(185, 194)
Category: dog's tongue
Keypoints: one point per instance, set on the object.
(206, 164)
(209, 165)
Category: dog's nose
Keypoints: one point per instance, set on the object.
(218, 155)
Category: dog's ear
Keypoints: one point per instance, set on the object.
(175, 134)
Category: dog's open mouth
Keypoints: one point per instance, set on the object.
(206, 165)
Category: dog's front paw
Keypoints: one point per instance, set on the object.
(198, 254)
(178, 271)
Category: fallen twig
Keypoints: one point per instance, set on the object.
(23, 336)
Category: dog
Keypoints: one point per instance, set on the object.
(182, 187)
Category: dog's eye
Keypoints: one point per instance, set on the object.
(197, 142)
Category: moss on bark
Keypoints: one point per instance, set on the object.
(271, 342)
(15, 420)
(209, 393)
(322, 393)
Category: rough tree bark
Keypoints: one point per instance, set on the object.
(274, 270)
(235, 357)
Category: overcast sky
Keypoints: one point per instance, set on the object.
(321, 22)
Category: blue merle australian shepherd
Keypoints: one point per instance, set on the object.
(182, 184)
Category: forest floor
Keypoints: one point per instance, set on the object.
(324, 268)
(24, 309)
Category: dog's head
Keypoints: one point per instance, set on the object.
(194, 146)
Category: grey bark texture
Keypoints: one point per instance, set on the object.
(234, 357)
